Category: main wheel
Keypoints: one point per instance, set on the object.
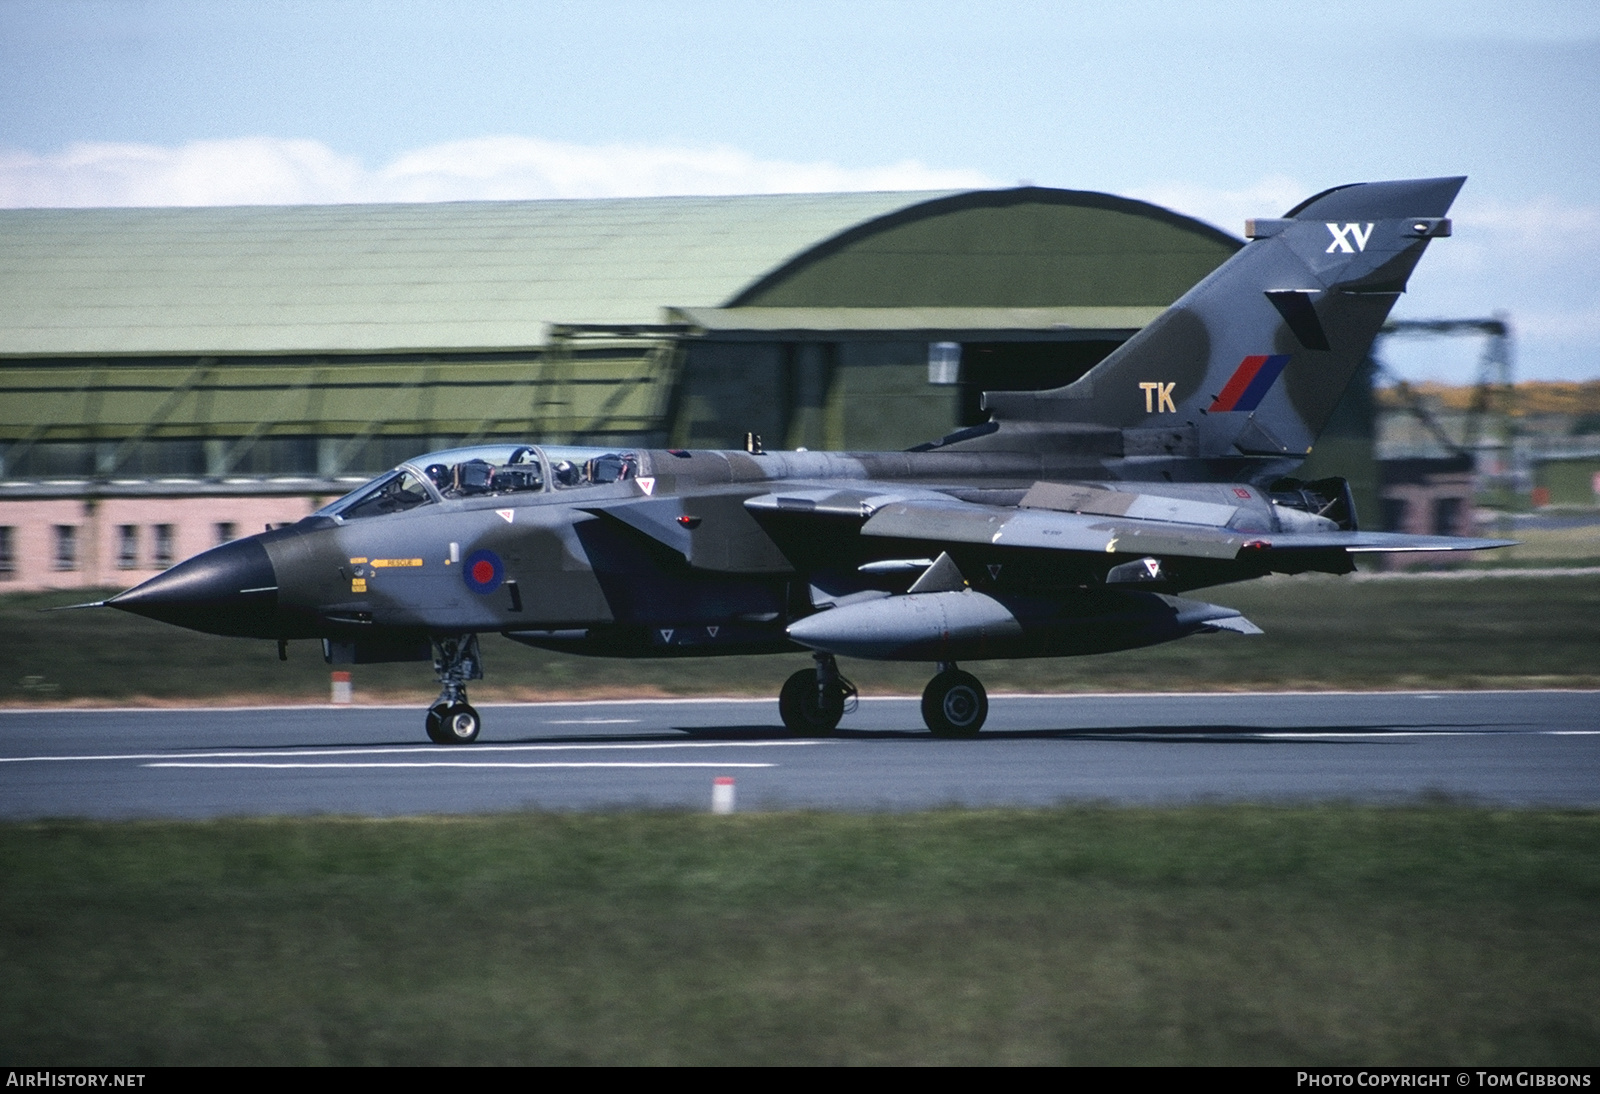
(954, 704)
(806, 713)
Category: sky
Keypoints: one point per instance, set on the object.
(1221, 110)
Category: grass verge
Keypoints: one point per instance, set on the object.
(1200, 935)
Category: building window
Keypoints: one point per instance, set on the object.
(163, 553)
(127, 546)
(8, 557)
(66, 547)
(1446, 516)
(227, 532)
(944, 363)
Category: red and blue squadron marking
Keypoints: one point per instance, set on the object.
(1250, 382)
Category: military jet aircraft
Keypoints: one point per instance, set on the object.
(1071, 522)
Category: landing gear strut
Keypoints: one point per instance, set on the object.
(954, 703)
(451, 721)
(813, 700)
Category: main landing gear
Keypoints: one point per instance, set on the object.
(812, 701)
(954, 703)
(451, 720)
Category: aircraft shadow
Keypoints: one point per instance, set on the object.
(1160, 734)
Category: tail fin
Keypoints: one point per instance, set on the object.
(1253, 360)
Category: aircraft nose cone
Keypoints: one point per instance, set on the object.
(231, 589)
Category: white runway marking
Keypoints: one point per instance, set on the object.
(591, 721)
(455, 763)
(1335, 733)
(1434, 733)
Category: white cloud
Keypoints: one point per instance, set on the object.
(246, 171)
(269, 171)
(506, 167)
(1228, 209)
(1539, 231)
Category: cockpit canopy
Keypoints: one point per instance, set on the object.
(483, 471)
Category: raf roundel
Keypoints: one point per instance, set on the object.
(483, 572)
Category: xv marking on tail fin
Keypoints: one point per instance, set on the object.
(1345, 234)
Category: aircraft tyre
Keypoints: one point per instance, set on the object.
(456, 724)
(954, 704)
(435, 723)
(806, 713)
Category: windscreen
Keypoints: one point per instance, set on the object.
(484, 470)
(394, 492)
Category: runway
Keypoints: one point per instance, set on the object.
(1522, 748)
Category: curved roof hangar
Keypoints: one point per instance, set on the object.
(485, 276)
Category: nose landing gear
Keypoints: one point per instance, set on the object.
(451, 720)
(453, 724)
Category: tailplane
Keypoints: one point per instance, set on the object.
(1253, 359)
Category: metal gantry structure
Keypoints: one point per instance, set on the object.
(1488, 429)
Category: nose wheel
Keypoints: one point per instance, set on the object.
(452, 720)
(954, 703)
(453, 724)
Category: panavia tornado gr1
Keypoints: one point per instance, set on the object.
(1074, 521)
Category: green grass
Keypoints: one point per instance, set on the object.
(1579, 546)
(1203, 935)
(1321, 633)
